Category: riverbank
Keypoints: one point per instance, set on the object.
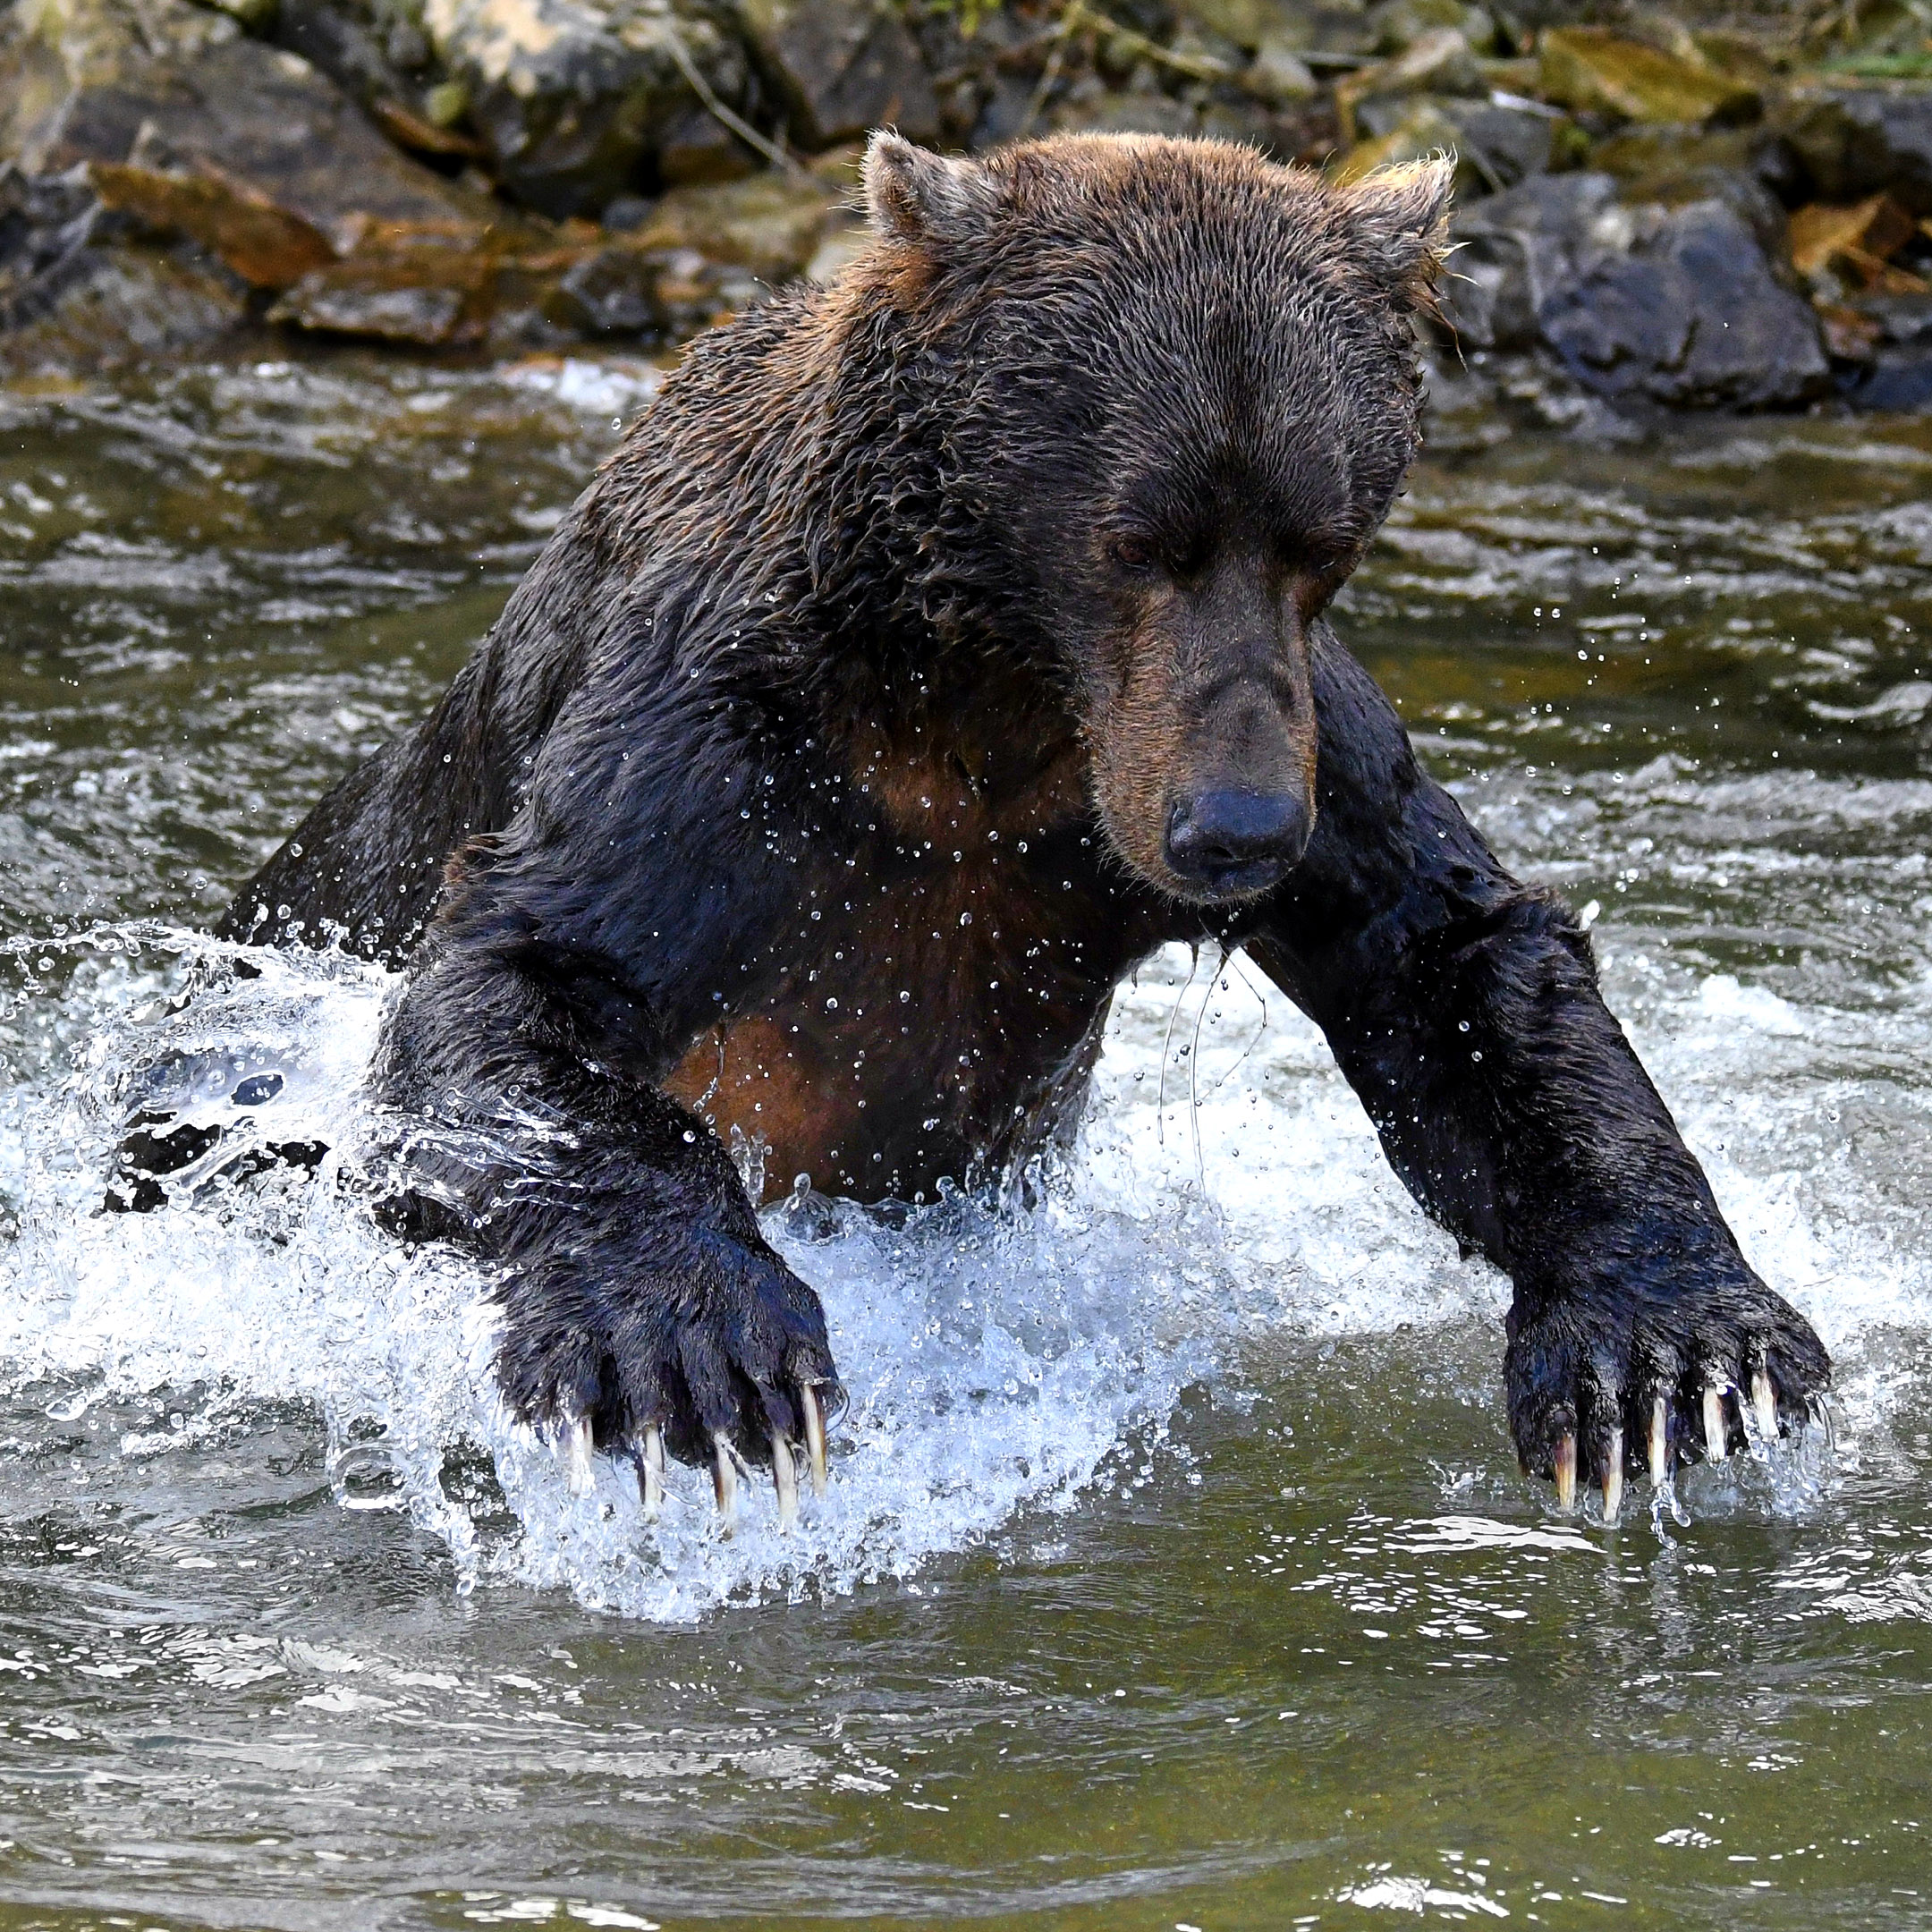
(1708, 210)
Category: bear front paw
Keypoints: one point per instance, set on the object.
(1603, 1383)
(718, 1357)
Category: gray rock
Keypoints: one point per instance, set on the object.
(1127, 113)
(351, 50)
(1506, 144)
(264, 118)
(572, 97)
(75, 293)
(697, 148)
(1685, 305)
(612, 292)
(1855, 141)
(1516, 251)
(843, 67)
(1899, 377)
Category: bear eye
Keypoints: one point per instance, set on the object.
(1135, 554)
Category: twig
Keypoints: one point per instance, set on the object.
(725, 116)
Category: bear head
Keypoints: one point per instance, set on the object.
(1169, 391)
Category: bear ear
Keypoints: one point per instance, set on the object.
(1402, 215)
(913, 195)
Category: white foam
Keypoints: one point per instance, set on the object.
(999, 1364)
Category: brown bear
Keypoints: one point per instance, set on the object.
(938, 644)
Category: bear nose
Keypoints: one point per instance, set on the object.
(1231, 841)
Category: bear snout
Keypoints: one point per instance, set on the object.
(1229, 843)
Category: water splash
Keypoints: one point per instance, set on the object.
(999, 1364)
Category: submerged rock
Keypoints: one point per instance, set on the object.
(1686, 305)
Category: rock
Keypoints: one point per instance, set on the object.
(1127, 113)
(626, 213)
(1397, 24)
(1640, 155)
(1897, 373)
(1684, 304)
(1439, 63)
(85, 60)
(1592, 70)
(262, 120)
(351, 50)
(131, 304)
(1278, 75)
(420, 135)
(389, 298)
(843, 67)
(1859, 142)
(1504, 143)
(1326, 27)
(698, 150)
(770, 225)
(572, 97)
(73, 293)
(608, 292)
(266, 245)
(47, 228)
(1515, 251)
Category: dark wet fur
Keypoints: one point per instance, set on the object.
(1015, 537)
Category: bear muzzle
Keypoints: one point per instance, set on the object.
(1231, 843)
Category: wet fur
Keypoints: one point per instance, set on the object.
(811, 786)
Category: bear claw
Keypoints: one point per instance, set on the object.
(575, 1449)
(814, 1444)
(1716, 1445)
(647, 1452)
(1566, 1472)
(786, 1478)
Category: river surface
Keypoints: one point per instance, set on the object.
(1176, 1571)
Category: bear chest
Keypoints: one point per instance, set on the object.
(927, 1029)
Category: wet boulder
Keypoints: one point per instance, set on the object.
(572, 98)
(391, 296)
(843, 67)
(1394, 131)
(1327, 28)
(1515, 251)
(1505, 141)
(1685, 302)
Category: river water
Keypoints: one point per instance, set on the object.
(1176, 1571)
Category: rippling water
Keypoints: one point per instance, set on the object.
(1176, 1571)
